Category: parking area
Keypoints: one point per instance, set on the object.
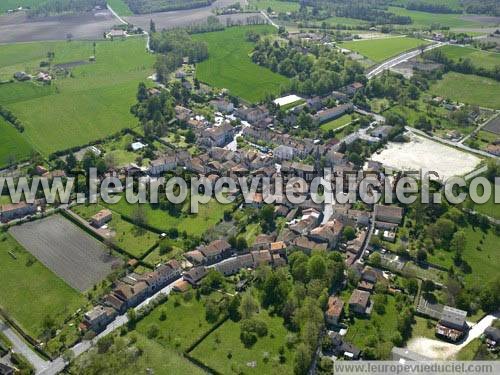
(75, 256)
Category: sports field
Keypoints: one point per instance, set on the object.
(92, 102)
(483, 59)
(13, 147)
(425, 19)
(229, 65)
(470, 89)
(27, 281)
(379, 50)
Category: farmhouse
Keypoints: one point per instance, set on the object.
(215, 251)
(132, 295)
(334, 310)
(359, 302)
(13, 211)
(101, 218)
(452, 325)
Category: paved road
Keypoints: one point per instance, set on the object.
(264, 14)
(401, 58)
(19, 346)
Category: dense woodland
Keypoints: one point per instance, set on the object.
(315, 70)
(150, 6)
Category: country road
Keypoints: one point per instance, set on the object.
(401, 58)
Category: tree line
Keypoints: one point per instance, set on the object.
(48, 7)
(151, 6)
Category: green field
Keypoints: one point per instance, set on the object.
(129, 237)
(379, 50)
(224, 352)
(27, 282)
(276, 5)
(229, 65)
(92, 103)
(5, 5)
(183, 323)
(13, 147)
(470, 89)
(120, 7)
(425, 19)
(483, 59)
(337, 123)
(193, 224)
(344, 21)
(483, 261)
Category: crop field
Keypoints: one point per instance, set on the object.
(483, 59)
(129, 237)
(224, 352)
(193, 224)
(70, 253)
(25, 281)
(120, 7)
(425, 19)
(92, 103)
(379, 50)
(470, 89)
(276, 5)
(229, 65)
(13, 147)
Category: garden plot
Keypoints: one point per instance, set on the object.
(70, 253)
(427, 155)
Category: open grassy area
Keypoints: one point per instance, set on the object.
(122, 359)
(275, 5)
(483, 261)
(5, 5)
(425, 19)
(230, 66)
(381, 327)
(13, 147)
(421, 329)
(224, 352)
(30, 292)
(470, 89)
(91, 103)
(379, 50)
(337, 123)
(344, 21)
(193, 224)
(483, 59)
(120, 7)
(129, 237)
(184, 323)
(468, 352)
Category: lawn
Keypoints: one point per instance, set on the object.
(230, 66)
(193, 224)
(121, 359)
(129, 237)
(382, 327)
(155, 257)
(483, 262)
(120, 7)
(13, 147)
(183, 323)
(29, 291)
(224, 352)
(490, 208)
(420, 328)
(469, 88)
(91, 103)
(379, 50)
(337, 123)
(425, 19)
(275, 5)
(468, 352)
(483, 59)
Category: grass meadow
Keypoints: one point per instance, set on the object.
(425, 19)
(379, 50)
(483, 59)
(229, 64)
(5, 5)
(91, 103)
(26, 281)
(470, 89)
(120, 7)
(276, 5)
(13, 147)
(337, 123)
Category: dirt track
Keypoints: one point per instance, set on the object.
(70, 253)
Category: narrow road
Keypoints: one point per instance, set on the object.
(19, 346)
(401, 58)
(116, 15)
(264, 14)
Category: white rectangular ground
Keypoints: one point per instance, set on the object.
(287, 100)
(424, 154)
